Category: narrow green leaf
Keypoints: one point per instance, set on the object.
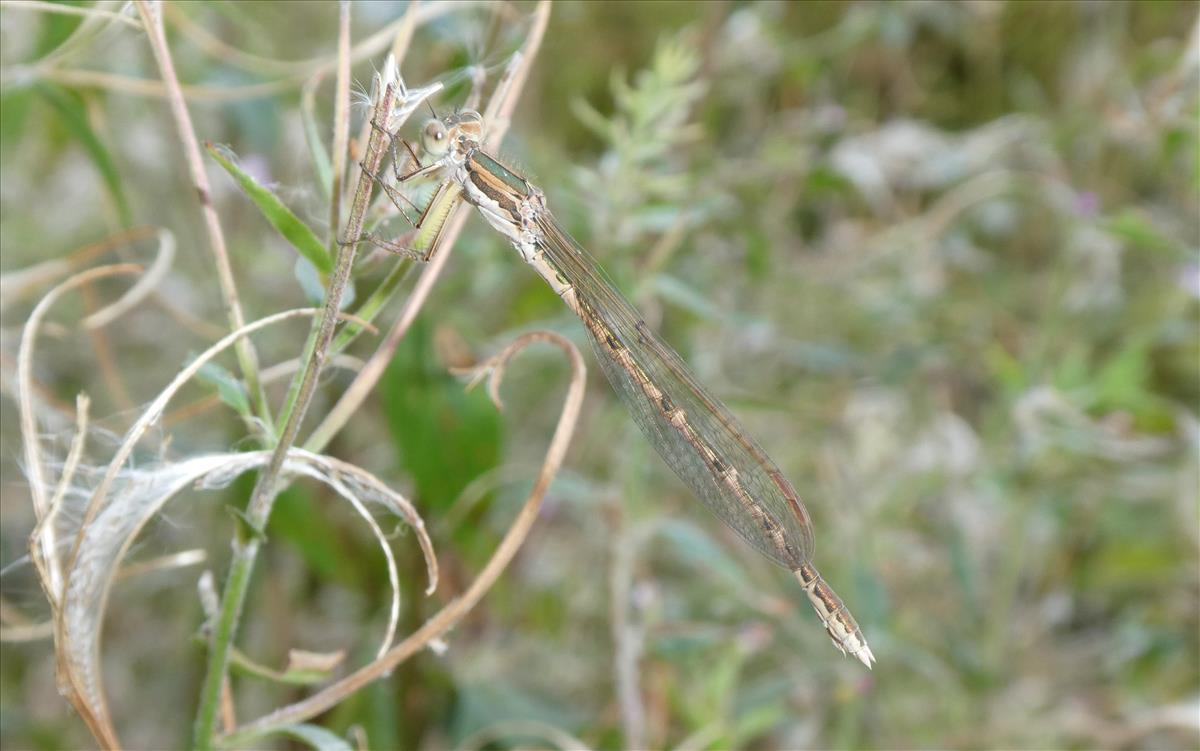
(244, 527)
(74, 115)
(299, 234)
(55, 29)
(312, 736)
(317, 737)
(231, 390)
(373, 304)
(1136, 228)
(241, 664)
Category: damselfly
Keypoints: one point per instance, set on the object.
(691, 430)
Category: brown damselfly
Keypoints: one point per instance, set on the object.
(694, 433)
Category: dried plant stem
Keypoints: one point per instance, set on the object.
(29, 430)
(247, 358)
(447, 617)
(245, 552)
(16, 285)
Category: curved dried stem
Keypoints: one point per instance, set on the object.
(82, 693)
(43, 540)
(448, 616)
(142, 493)
(16, 285)
(142, 289)
(153, 412)
(29, 431)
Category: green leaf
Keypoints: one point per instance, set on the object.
(14, 111)
(480, 705)
(280, 216)
(231, 390)
(244, 526)
(755, 723)
(71, 109)
(1136, 228)
(680, 293)
(317, 737)
(313, 736)
(293, 675)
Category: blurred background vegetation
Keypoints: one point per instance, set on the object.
(941, 258)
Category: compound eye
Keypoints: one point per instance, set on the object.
(434, 137)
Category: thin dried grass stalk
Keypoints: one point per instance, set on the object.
(151, 15)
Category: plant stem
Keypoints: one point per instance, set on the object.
(245, 547)
(246, 356)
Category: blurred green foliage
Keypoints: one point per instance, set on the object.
(940, 257)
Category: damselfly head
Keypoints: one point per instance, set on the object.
(463, 130)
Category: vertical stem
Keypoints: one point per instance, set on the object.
(245, 547)
(247, 358)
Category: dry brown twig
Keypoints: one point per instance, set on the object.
(247, 358)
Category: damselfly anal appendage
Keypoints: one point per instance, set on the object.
(694, 433)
